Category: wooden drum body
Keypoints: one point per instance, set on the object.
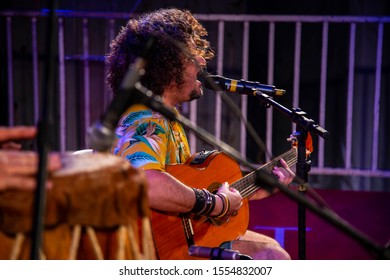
(96, 209)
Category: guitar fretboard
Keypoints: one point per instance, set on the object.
(246, 185)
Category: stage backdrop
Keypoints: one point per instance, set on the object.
(369, 212)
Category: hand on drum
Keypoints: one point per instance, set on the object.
(17, 168)
(8, 136)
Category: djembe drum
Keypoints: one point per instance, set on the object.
(96, 209)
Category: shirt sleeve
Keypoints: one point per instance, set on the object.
(144, 144)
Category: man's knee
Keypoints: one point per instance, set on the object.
(260, 250)
(260, 247)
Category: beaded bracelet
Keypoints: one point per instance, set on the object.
(225, 205)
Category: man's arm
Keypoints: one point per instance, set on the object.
(166, 193)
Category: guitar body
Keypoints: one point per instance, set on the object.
(168, 231)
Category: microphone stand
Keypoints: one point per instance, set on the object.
(45, 127)
(305, 126)
(302, 169)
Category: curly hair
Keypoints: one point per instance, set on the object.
(172, 29)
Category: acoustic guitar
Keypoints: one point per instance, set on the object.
(208, 169)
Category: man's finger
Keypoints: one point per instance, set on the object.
(17, 133)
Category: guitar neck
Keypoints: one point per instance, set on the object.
(247, 185)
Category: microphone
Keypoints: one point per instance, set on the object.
(101, 134)
(216, 253)
(240, 86)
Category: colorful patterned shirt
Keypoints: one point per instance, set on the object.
(148, 140)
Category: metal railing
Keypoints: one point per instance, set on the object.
(76, 77)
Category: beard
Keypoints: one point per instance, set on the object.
(196, 94)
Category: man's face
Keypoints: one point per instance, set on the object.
(192, 88)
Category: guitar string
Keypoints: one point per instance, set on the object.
(250, 190)
(249, 180)
(252, 187)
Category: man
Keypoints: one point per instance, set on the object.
(151, 142)
(18, 169)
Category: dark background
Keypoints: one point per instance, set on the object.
(281, 7)
(283, 73)
(369, 212)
